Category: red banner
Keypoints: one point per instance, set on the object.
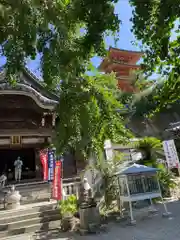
(57, 183)
(44, 162)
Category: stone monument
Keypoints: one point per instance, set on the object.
(88, 210)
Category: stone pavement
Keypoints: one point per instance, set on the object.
(154, 228)
(20, 237)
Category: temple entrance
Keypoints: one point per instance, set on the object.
(8, 156)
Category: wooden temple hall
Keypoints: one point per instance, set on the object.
(27, 121)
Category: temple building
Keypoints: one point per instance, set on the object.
(123, 63)
(27, 122)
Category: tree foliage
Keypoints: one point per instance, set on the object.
(88, 115)
(64, 33)
(153, 24)
(151, 149)
(145, 103)
(106, 189)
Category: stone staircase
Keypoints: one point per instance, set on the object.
(29, 218)
(36, 213)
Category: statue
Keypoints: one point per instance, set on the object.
(18, 169)
(85, 192)
(3, 179)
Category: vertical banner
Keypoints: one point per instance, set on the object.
(44, 161)
(57, 183)
(51, 164)
(171, 154)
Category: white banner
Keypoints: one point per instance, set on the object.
(171, 154)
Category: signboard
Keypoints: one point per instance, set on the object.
(57, 183)
(51, 164)
(44, 162)
(171, 154)
(16, 140)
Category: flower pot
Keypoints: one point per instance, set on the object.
(66, 222)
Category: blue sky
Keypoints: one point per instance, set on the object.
(124, 11)
(126, 37)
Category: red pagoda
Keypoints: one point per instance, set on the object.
(122, 62)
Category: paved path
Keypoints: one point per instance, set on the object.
(155, 228)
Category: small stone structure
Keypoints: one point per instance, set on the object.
(88, 210)
(12, 199)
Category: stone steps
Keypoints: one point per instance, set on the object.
(26, 216)
(19, 237)
(28, 209)
(29, 219)
(46, 226)
(28, 222)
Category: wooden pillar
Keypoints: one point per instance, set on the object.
(38, 165)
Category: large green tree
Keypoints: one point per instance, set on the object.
(66, 34)
(89, 114)
(154, 21)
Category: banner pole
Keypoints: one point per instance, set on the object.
(62, 190)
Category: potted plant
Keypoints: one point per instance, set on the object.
(68, 208)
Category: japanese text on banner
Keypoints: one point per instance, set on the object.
(51, 164)
(57, 183)
(171, 154)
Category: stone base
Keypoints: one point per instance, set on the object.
(167, 214)
(89, 217)
(132, 222)
(152, 210)
(83, 231)
(10, 206)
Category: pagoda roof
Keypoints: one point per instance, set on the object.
(122, 65)
(116, 55)
(106, 62)
(124, 50)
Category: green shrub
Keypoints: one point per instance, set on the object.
(151, 148)
(68, 206)
(166, 180)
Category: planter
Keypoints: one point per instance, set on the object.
(67, 222)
